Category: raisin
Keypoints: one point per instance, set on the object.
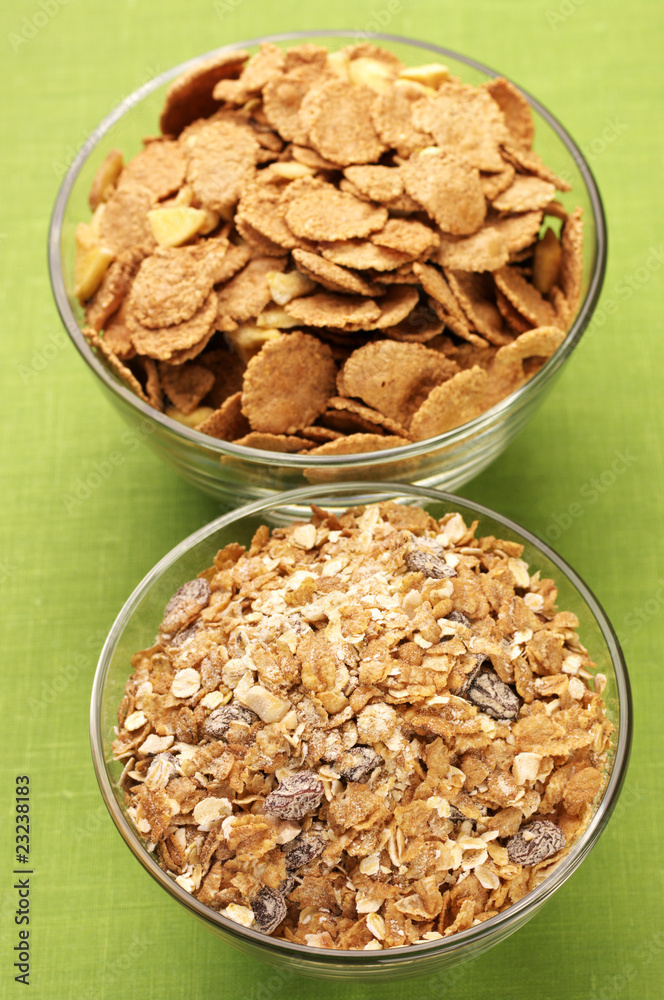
(169, 760)
(428, 557)
(544, 840)
(358, 763)
(459, 618)
(302, 850)
(288, 885)
(269, 909)
(493, 696)
(296, 796)
(181, 637)
(184, 605)
(219, 721)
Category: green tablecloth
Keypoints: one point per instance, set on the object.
(586, 474)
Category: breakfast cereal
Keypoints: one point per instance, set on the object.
(365, 730)
(335, 196)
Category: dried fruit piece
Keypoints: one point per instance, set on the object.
(358, 763)
(303, 849)
(546, 262)
(493, 696)
(428, 556)
(105, 178)
(269, 909)
(90, 267)
(296, 796)
(220, 720)
(536, 842)
(187, 602)
(176, 225)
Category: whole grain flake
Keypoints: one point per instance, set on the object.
(339, 196)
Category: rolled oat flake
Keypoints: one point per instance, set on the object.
(536, 842)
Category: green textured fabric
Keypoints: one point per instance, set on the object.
(586, 473)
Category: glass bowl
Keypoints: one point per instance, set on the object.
(234, 473)
(139, 620)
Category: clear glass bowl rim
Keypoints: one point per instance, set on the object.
(514, 914)
(450, 438)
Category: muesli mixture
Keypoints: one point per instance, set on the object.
(364, 731)
(329, 252)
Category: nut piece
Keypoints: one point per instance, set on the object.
(269, 909)
(493, 696)
(296, 796)
(219, 721)
(358, 763)
(536, 842)
(270, 707)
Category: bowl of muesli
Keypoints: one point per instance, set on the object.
(334, 257)
(369, 741)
